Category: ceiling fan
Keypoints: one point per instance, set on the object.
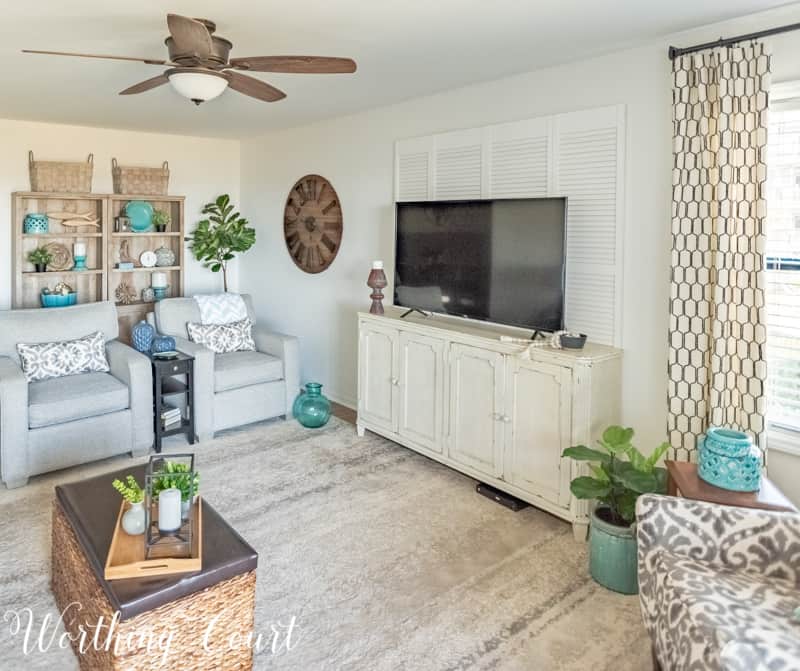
(200, 67)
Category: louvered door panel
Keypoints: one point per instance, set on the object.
(519, 155)
(459, 165)
(413, 169)
(589, 160)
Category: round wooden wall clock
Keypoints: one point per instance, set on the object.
(312, 223)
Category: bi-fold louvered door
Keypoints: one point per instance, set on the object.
(578, 155)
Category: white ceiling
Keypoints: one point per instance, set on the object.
(404, 49)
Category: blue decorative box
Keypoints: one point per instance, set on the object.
(729, 459)
(162, 343)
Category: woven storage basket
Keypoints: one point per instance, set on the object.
(143, 181)
(61, 176)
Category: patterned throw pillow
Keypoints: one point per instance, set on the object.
(224, 338)
(221, 308)
(41, 361)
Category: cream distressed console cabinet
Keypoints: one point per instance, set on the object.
(497, 411)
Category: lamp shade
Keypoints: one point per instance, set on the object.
(197, 86)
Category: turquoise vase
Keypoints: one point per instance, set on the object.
(612, 555)
(311, 408)
(729, 459)
(142, 336)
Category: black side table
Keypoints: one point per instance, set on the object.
(166, 384)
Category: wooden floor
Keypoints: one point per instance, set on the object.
(343, 412)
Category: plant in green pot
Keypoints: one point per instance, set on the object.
(620, 474)
(40, 257)
(217, 239)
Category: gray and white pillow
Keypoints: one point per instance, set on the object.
(41, 361)
(224, 338)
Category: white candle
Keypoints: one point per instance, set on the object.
(377, 265)
(158, 280)
(79, 249)
(169, 510)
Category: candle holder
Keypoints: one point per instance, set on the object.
(169, 522)
(160, 293)
(377, 282)
(80, 263)
(79, 256)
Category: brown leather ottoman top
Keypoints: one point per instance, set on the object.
(92, 506)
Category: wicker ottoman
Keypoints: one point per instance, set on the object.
(196, 622)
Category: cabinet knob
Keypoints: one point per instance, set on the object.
(506, 419)
(395, 381)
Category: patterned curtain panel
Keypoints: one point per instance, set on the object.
(717, 367)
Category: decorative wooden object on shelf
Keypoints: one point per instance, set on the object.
(126, 554)
(89, 218)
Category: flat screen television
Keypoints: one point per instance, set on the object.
(500, 261)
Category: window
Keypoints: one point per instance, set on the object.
(783, 268)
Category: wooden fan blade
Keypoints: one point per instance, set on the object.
(190, 36)
(296, 64)
(149, 61)
(253, 87)
(146, 85)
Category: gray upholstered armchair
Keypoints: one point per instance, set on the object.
(718, 585)
(239, 387)
(64, 421)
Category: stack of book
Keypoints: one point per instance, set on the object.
(170, 417)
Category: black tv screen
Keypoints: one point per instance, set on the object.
(500, 261)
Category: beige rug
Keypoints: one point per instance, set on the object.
(386, 559)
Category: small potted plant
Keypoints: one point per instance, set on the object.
(40, 257)
(161, 220)
(133, 521)
(620, 474)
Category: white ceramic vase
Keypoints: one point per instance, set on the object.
(133, 519)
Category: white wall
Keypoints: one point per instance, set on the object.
(200, 169)
(356, 154)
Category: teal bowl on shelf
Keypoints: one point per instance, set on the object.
(34, 224)
(59, 300)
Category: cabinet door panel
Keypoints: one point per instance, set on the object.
(539, 408)
(476, 428)
(421, 389)
(377, 398)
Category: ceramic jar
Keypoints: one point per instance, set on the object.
(729, 459)
(148, 295)
(133, 519)
(162, 343)
(142, 336)
(35, 223)
(311, 408)
(164, 256)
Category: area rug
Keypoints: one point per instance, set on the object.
(381, 559)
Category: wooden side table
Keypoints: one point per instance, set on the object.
(165, 384)
(682, 478)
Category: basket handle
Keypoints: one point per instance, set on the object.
(30, 157)
(165, 166)
(113, 162)
(90, 160)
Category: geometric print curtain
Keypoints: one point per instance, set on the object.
(717, 367)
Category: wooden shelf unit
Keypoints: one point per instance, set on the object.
(101, 280)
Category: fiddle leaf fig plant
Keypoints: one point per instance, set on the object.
(218, 238)
(620, 473)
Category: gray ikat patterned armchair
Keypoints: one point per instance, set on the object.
(719, 585)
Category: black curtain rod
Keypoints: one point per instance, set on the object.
(674, 52)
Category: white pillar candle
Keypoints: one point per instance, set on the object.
(79, 249)
(169, 510)
(158, 280)
(377, 265)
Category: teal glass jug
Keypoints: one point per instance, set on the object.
(311, 408)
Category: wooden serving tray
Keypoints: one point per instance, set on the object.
(126, 554)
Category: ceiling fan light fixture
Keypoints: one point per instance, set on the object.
(197, 86)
